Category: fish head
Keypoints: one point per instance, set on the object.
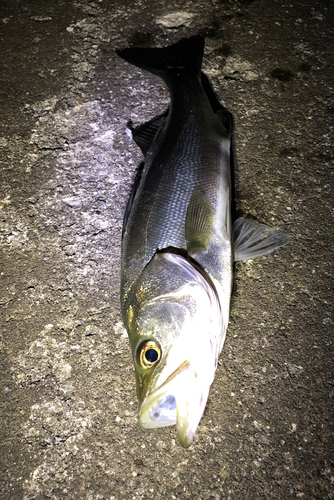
(176, 334)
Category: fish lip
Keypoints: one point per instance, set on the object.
(185, 434)
(181, 368)
(159, 391)
(171, 387)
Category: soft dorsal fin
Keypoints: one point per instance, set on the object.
(145, 134)
(223, 114)
(199, 222)
(227, 120)
(252, 239)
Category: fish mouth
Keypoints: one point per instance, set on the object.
(175, 402)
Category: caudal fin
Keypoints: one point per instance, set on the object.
(186, 53)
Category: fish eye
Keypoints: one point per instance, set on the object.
(149, 354)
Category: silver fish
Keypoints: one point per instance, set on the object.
(179, 243)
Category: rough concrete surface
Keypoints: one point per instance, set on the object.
(69, 426)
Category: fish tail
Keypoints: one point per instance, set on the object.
(186, 53)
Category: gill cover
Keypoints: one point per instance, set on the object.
(179, 319)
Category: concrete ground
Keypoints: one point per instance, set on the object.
(69, 426)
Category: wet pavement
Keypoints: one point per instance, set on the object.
(69, 427)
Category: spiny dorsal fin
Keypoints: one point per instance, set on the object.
(199, 222)
(252, 239)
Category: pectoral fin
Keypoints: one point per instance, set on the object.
(199, 222)
(252, 239)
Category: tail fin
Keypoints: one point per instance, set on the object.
(187, 53)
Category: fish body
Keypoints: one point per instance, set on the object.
(179, 244)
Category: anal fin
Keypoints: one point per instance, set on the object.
(145, 134)
(132, 195)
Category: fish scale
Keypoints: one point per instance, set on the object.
(163, 223)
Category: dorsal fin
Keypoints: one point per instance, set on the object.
(252, 239)
(223, 114)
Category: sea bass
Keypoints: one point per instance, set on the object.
(179, 243)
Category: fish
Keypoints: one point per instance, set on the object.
(179, 243)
